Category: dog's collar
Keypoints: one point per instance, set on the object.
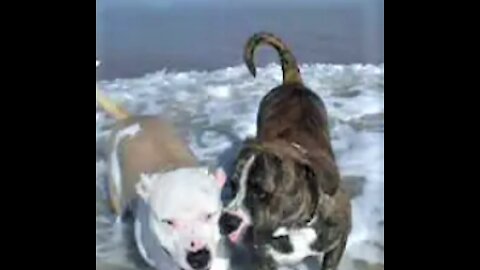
(314, 216)
(312, 221)
(299, 148)
(263, 147)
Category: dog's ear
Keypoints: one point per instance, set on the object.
(322, 168)
(331, 181)
(220, 177)
(143, 186)
(327, 179)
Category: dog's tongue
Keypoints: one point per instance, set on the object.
(237, 219)
(235, 237)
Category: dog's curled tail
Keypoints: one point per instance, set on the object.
(111, 108)
(291, 72)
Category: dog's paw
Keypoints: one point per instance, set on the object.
(265, 267)
(266, 264)
(220, 264)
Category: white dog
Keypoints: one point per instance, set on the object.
(175, 202)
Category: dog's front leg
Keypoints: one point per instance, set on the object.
(220, 264)
(265, 262)
(331, 260)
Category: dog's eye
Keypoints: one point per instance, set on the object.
(169, 222)
(209, 217)
(262, 195)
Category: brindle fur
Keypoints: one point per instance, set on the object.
(295, 176)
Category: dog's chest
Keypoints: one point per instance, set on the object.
(300, 241)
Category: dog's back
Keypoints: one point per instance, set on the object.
(139, 145)
(142, 145)
(293, 113)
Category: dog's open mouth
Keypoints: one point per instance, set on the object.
(234, 224)
(236, 236)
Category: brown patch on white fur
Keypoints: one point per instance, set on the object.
(155, 148)
(139, 145)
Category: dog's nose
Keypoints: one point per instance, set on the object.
(199, 260)
(229, 223)
(196, 245)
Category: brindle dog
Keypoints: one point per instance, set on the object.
(287, 176)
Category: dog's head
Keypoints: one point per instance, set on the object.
(185, 208)
(277, 186)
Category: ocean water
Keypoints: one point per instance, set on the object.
(216, 109)
(134, 38)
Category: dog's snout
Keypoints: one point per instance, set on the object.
(196, 245)
(229, 223)
(199, 260)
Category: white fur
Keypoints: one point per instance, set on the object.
(301, 239)
(220, 264)
(127, 132)
(282, 231)
(243, 181)
(185, 195)
(236, 206)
